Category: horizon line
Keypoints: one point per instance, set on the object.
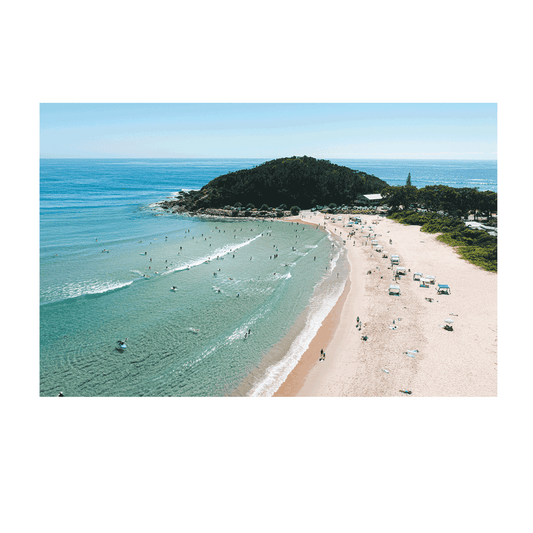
(359, 158)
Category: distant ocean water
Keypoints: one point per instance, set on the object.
(108, 262)
(454, 173)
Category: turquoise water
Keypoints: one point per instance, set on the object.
(184, 342)
(108, 261)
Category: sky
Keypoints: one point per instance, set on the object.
(269, 130)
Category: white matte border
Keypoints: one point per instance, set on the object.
(31, 405)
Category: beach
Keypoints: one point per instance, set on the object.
(406, 347)
(201, 329)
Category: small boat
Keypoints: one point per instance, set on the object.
(121, 345)
(173, 288)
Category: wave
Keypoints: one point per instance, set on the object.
(319, 309)
(217, 254)
(236, 335)
(89, 290)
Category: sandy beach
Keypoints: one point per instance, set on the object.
(441, 363)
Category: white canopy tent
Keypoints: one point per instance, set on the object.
(395, 289)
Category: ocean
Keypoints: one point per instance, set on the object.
(454, 173)
(248, 298)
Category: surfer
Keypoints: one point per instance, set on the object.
(122, 344)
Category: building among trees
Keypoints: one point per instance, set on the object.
(369, 199)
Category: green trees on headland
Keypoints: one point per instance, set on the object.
(297, 181)
(442, 198)
(441, 209)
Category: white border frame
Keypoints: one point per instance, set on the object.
(31, 405)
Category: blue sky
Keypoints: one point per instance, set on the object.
(330, 131)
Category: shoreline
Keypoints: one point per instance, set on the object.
(458, 363)
(322, 338)
(304, 329)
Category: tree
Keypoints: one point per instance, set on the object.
(295, 210)
(488, 203)
(408, 182)
(394, 196)
(264, 207)
(411, 195)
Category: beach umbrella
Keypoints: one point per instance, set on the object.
(449, 321)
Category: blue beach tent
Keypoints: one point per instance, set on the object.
(443, 289)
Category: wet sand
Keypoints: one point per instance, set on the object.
(462, 362)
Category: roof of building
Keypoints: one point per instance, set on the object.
(373, 196)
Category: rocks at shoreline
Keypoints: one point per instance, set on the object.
(175, 206)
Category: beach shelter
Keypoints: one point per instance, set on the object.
(400, 270)
(431, 279)
(395, 259)
(448, 325)
(385, 254)
(443, 289)
(374, 243)
(379, 248)
(394, 289)
(424, 282)
(417, 276)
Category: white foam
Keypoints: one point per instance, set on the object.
(220, 253)
(277, 373)
(237, 334)
(75, 290)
